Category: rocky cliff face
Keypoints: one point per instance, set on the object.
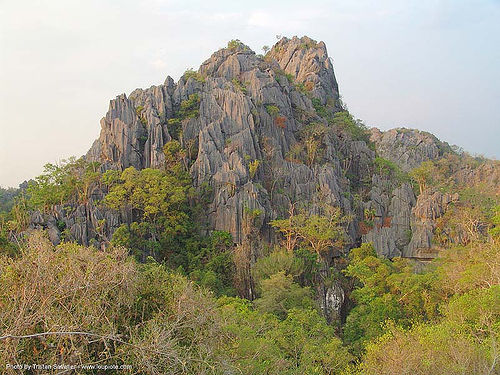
(251, 110)
(408, 148)
(245, 122)
(245, 134)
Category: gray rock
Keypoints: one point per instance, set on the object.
(408, 148)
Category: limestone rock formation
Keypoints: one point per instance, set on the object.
(408, 148)
(430, 206)
(260, 131)
(250, 109)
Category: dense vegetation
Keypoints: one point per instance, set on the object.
(444, 319)
(165, 298)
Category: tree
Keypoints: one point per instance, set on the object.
(278, 261)
(319, 232)
(156, 200)
(279, 294)
(386, 290)
(78, 305)
(324, 232)
(312, 136)
(423, 174)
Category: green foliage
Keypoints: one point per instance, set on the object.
(210, 262)
(321, 110)
(139, 109)
(495, 229)
(190, 73)
(289, 77)
(239, 85)
(189, 108)
(7, 247)
(139, 112)
(319, 233)
(423, 174)
(278, 261)
(279, 294)
(235, 44)
(358, 131)
(385, 167)
(312, 136)
(302, 343)
(158, 202)
(308, 43)
(175, 159)
(389, 169)
(386, 290)
(7, 198)
(465, 341)
(71, 181)
(431, 350)
(253, 166)
(273, 110)
(444, 320)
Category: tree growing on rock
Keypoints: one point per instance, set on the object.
(320, 233)
(423, 174)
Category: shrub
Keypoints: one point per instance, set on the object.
(253, 167)
(389, 169)
(280, 294)
(273, 110)
(239, 85)
(141, 315)
(190, 107)
(235, 44)
(321, 110)
(358, 131)
(190, 73)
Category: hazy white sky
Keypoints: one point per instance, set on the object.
(428, 64)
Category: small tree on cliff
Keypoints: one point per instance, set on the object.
(423, 174)
(318, 232)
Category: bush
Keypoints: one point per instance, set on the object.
(239, 85)
(253, 167)
(279, 294)
(358, 131)
(236, 44)
(139, 315)
(389, 169)
(273, 110)
(190, 73)
(321, 110)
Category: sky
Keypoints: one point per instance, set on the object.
(427, 64)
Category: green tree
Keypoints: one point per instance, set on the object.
(279, 294)
(157, 201)
(318, 232)
(386, 290)
(423, 174)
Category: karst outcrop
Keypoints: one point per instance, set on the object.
(266, 133)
